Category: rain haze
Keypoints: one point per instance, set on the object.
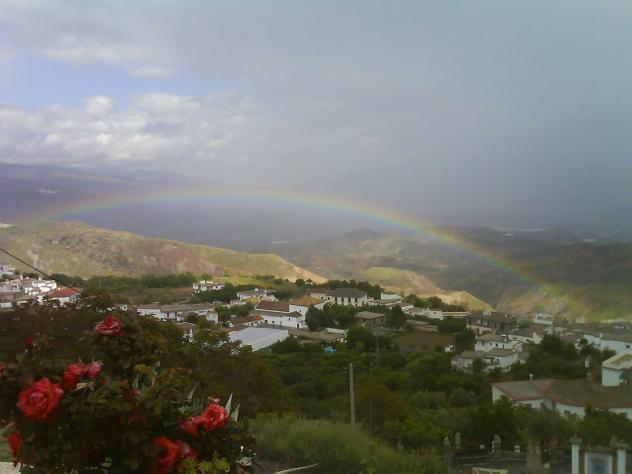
(514, 114)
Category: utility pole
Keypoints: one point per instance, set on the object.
(351, 396)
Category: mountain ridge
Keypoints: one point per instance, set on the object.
(77, 249)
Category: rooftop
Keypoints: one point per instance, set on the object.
(368, 315)
(62, 293)
(305, 300)
(346, 293)
(252, 336)
(579, 392)
(620, 361)
(492, 338)
(275, 314)
(493, 316)
(281, 306)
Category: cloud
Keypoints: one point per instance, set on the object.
(478, 104)
(151, 72)
(99, 105)
(157, 127)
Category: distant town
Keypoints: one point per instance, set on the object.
(352, 313)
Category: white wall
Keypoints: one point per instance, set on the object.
(610, 377)
(285, 321)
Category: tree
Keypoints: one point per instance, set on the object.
(396, 318)
(361, 338)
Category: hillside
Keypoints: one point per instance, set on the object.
(77, 249)
(551, 271)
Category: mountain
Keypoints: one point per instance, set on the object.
(562, 272)
(74, 248)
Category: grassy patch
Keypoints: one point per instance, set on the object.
(336, 447)
(420, 341)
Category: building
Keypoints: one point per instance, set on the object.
(258, 338)
(490, 321)
(6, 270)
(543, 319)
(250, 320)
(206, 285)
(370, 320)
(278, 313)
(615, 342)
(318, 293)
(617, 370)
(572, 397)
(303, 303)
(346, 297)
(492, 359)
(258, 294)
(179, 312)
(488, 342)
(531, 334)
(63, 296)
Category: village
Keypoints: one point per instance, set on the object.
(497, 342)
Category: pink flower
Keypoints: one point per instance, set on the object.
(93, 370)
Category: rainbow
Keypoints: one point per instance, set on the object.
(332, 203)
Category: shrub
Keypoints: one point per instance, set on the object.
(336, 447)
(118, 410)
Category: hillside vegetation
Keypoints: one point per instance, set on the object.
(549, 271)
(77, 249)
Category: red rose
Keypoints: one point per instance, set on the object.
(15, 443)
(110, 326)
(39, 401)
(216, 416)
(92, 370)
(28, 343)
(192, 425)
(72, 376)
(169, 453)
(185, 451)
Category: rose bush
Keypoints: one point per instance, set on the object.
(133, 409)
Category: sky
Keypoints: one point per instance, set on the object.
(466, 111)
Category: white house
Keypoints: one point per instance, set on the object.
(258, 294)
(178, 312)
(488, 342)
(617, 370)
(614, 342)
(494, 358)
(318, 293)
(303, 303)
(531, 334)
(258, 338)
(28, 286)
(6, 270)
(64, 296)
(543, 319)
(572, 397)
(347, 297)
(206, 285)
